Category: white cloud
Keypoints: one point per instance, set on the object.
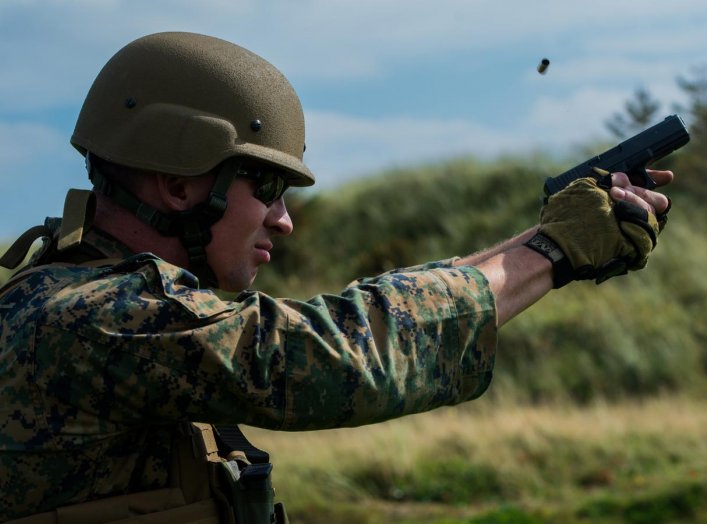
(346, 147)
(573, 118)
(325, 38)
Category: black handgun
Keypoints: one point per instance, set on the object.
(631, 156)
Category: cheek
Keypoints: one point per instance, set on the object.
(227, 237)
(237, 227)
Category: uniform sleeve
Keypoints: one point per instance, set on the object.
(147, 345)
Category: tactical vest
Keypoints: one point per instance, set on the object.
(216, 475)
(206, 487)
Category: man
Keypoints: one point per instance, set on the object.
(112, 342)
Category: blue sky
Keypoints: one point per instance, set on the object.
(383, 83)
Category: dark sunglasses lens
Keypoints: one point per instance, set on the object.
(269, 188)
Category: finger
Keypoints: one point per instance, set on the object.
(651, 201)
(619, 193)
(661, 177)
(620, 180)
(657, 201)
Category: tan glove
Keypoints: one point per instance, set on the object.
(589, 236)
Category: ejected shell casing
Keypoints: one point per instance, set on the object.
(543, 65)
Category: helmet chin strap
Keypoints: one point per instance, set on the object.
(192, 226)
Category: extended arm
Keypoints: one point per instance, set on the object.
(518, 277)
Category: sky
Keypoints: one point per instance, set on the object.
(383, 83)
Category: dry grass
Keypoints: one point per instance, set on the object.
(485, 427)
(548, 460)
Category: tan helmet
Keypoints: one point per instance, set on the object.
(181, 103)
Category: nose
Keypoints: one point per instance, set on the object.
(278, 219)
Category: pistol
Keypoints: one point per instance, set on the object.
(631, 157)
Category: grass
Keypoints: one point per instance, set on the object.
(485, 462)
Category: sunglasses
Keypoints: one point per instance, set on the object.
(270, 183)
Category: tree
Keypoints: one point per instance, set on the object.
(691, 164)
(639, 114)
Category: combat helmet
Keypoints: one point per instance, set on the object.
(183, 103)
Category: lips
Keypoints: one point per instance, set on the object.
(265, 246)
(262, 251)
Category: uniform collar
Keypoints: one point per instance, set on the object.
(107, 245)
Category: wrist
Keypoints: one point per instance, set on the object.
(562, 271)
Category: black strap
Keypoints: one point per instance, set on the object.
(127, 200)
(193, 226)
(231, 438)
(19, 249)
(562, 271)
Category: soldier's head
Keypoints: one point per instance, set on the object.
(209, 123)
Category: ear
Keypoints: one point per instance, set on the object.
(179, 193)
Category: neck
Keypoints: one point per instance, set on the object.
(135, 234)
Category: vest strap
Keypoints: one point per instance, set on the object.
(79, 209)
(20, 247)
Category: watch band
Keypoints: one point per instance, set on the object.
(562, 271)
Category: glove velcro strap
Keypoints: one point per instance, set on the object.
(635, 214)
(610, 269)
(562, 271)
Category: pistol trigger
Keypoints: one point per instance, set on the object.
(640, 178)
(650, 183)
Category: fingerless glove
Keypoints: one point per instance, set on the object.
(588, 236)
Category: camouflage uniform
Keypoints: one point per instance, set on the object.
(98, 365)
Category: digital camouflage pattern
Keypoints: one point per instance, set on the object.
(98, 365)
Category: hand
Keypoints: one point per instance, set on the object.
(599, 236)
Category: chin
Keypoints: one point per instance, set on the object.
(236, 283)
